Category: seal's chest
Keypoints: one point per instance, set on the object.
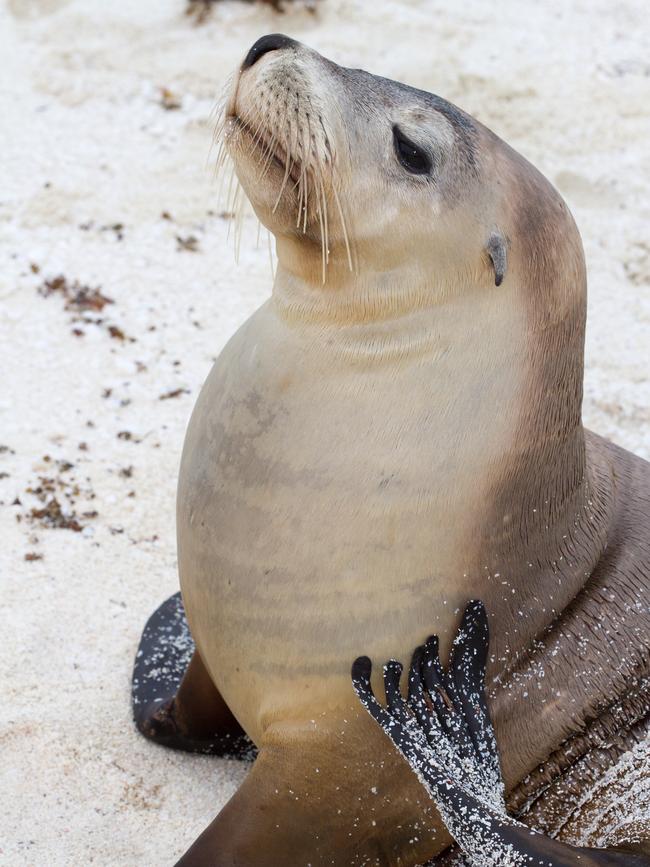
(314, 487)
(304, 503)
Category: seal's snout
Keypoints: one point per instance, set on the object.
(272, 42)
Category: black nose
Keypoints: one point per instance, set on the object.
(272, 42)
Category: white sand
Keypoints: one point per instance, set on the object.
(84, 141)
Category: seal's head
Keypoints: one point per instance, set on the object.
(351, 171)
(349, 164)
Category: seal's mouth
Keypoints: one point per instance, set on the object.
(263, 145)
(277, 130)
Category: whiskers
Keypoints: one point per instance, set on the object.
(230, 194)
(291, 135)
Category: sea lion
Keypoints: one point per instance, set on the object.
(396, 431)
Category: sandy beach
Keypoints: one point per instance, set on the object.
(119, 287)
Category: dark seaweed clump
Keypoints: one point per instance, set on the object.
(200, 9)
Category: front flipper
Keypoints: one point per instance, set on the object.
(174, 700)
(444, 731)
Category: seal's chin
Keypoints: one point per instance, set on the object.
(270, 177)
(261, 147)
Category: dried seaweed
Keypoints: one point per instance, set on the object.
(83, 302)
(200, 9)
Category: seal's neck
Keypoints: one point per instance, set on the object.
(345, 298)
(364, 289)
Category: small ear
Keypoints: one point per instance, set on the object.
(498, 251)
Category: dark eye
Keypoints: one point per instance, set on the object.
(413, 158)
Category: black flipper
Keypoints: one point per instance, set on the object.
(445, 733)
(174, 701)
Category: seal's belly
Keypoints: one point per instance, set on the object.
(315, 522)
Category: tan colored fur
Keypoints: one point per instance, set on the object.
(370, 453)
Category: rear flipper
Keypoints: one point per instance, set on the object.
(174, 700)
(444, 732)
